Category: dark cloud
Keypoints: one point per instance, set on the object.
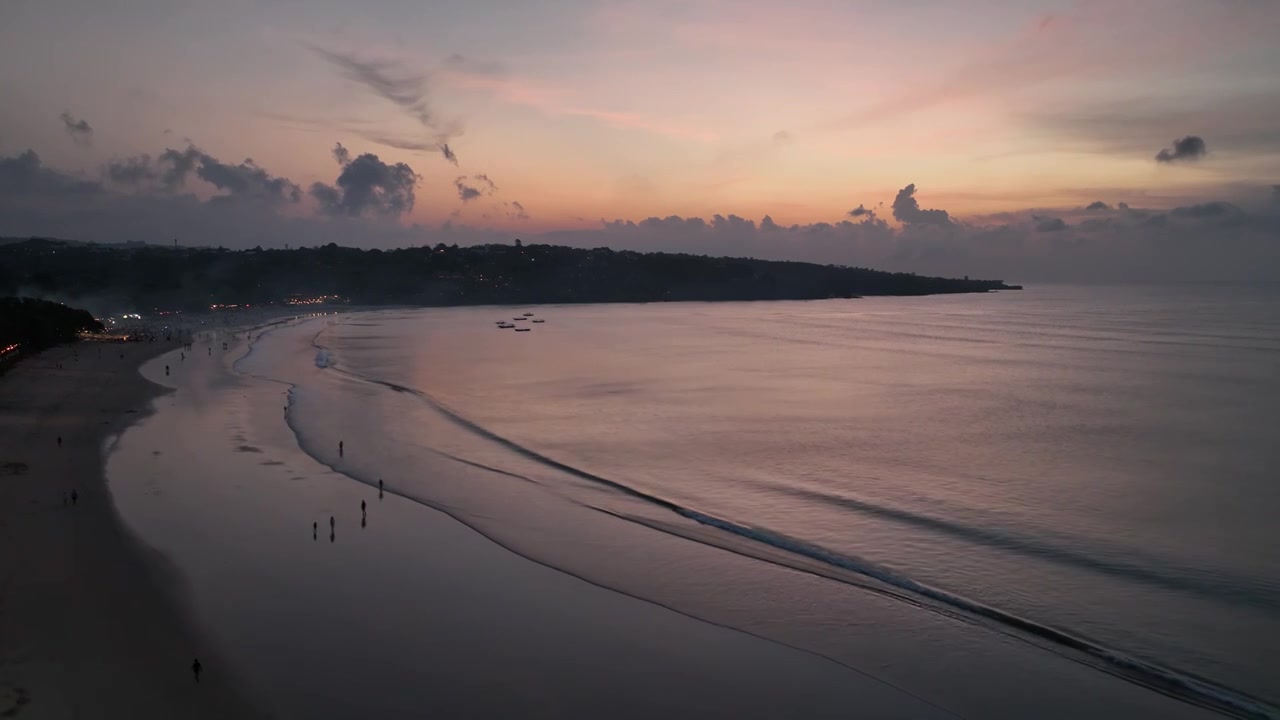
(414, 145)
(407, 90)
(1049, 224)
(247, 181)
(1097, 206)
(906, 210)
(860, 211)
(1122, 206)
(79, 130)
(1216, 209)
(176, 165)
(169, 172)
(485, 180)
(368, 186)
(1211, 240)
(25, 176)
(520, 213)
(1191, 147)
(341, 155)
(465, 192)
(131, 172)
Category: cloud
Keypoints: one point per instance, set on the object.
(1049, 224)
(169, 172)
(860, 211)
(413, 145)
(1216, 209)
(79, 130)
(1097, 206)
(247, 181)
(407, 90)
(1191, 147)
(906, 210)
(134, 171)
(26, 176)
(341, 155)
(368, 186)
(140, 198)
(466, 192)
(482, 186)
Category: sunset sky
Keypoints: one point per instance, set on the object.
(562, 114)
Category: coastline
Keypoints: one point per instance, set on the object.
(93, 623)
(422, 609)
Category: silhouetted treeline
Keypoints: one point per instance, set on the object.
(152, 277)
(35, 324)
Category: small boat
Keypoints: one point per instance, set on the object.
(519, 319)
(524, 329)
(528, 314)
(505, 325)
(538, 321)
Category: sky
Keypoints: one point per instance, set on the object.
(1069, 140)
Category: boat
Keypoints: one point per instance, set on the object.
(528, 314)
(505, 325)
(519, 319)
(537, 321)
(524, 329)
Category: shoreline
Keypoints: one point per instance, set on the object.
(93, 622)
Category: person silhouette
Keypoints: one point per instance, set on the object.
(59, 441)
(195, 668)
(166, 371)
(330, 522)
(363, 521)
(339, 448)
(315, 527)
(75, 496)
(361, 507)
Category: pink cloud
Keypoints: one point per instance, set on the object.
(559, 102)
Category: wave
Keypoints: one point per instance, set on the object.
(1189, 580)
(1175, 683)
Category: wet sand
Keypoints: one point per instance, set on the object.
(92, 623)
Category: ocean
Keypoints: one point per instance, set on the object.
(1089, 472)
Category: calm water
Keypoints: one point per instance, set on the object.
(1089, 468)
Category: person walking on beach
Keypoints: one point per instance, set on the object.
(330, 523)
(339, 448)
(59, 441)
(361, 507)
(75, 496)
(195, 668)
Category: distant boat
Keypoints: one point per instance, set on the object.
(524, 329)
(537, 321)
(528, 314)
(519, 318)
(505, 325)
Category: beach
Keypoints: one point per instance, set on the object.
(92, 622)
(487, 578)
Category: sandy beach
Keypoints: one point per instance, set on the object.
(92, 623)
